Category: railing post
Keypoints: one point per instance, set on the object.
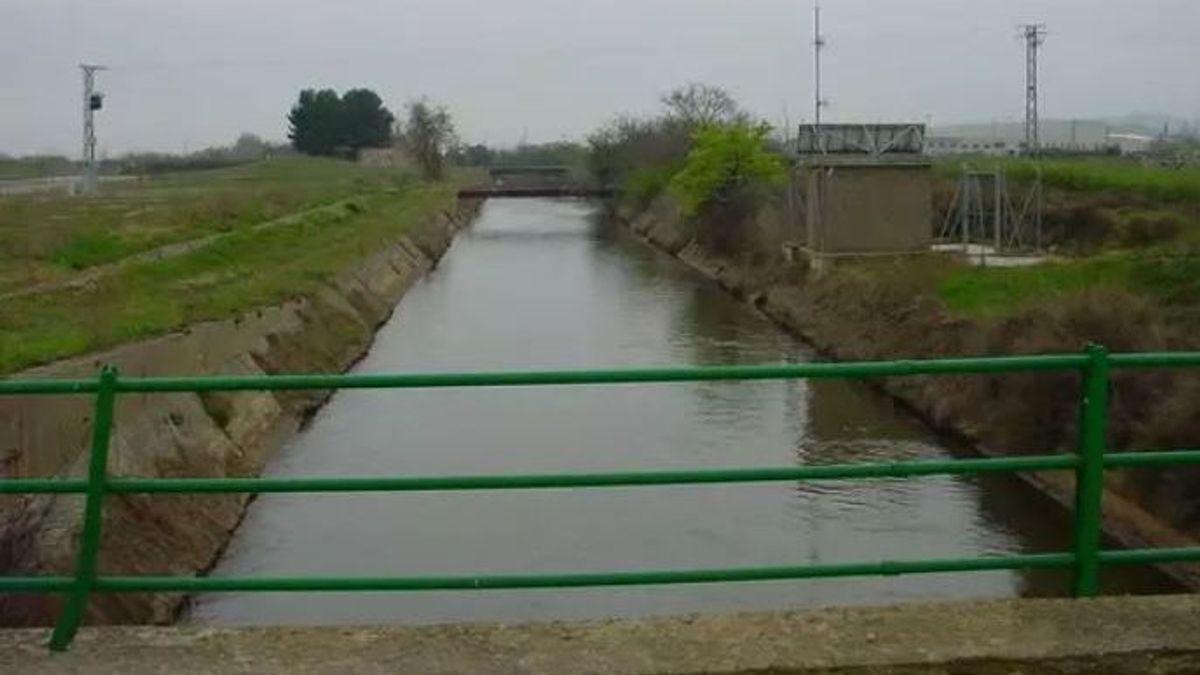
(1089, 475)
(93, 514)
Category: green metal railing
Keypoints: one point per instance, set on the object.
(1088, 462)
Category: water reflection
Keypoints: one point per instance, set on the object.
(543, 284)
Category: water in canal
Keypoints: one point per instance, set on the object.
(546, 284)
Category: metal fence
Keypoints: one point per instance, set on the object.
(1088, 462)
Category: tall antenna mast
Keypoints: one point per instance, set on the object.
(92, 101)
(1035, 36)
(818, 45)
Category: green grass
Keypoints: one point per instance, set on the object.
(1110, 175)
(245, 269)
(1174, 279)
(1170, 278)
(50, 237)
(90, 248)
(998, 290)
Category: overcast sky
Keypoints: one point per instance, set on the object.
(191, 73)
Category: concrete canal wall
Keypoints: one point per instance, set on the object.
(219, 434)
(848, 322)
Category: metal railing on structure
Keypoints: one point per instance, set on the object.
(1088, 462)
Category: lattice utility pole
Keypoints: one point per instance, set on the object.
(92, 101)
(1035, 36)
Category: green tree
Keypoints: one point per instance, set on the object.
(428, 134)
(322, 123)
(630, 145)
(730, 166)
(474, 155)
(695, 105)
(315, 122)
(248, 146)
(366, 122)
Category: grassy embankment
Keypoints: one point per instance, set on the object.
(1125, 227)
(1099, 175)
(261, 234)
(1131, 292)
(1125, 273)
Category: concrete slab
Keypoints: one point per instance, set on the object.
(1108, 635)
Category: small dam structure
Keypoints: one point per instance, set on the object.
(861, 189)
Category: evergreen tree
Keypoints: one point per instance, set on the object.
(366, 122)
(322, 123)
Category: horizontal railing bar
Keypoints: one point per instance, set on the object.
(975, 365)
(584, 579)
(580, 579)
(42, 486)
(35, 584)
(613, 376)
(621, 479)
(49, 386)
(617, 479)
(1144, 556)
(1154, 359)
(1154, 458)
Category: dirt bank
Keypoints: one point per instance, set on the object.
(848, 316)
(187, 434)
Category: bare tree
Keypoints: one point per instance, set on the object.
(428, 134)
(694, 105)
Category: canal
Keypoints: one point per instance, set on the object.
(548, 284)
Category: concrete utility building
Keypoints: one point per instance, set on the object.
(863, 190)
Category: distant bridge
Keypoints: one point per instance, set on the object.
(533, 181)
(565, 191)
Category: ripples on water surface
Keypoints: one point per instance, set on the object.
(545, 284)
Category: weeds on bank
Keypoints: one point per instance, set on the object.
(1101, 175)
(47, 237)
(247, 269)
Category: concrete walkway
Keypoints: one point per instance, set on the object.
(1110, 635)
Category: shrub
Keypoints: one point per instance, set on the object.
(1173, 279)
(621, 147)
(728, 164)
(729, 175)
(643, 185)
(1080, 226)
(1149, 227)
(1116, 176)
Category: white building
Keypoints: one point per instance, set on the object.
(1007, 138)
(958, 145)
(1132, 144)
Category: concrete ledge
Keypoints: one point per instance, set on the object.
(1109, 635)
